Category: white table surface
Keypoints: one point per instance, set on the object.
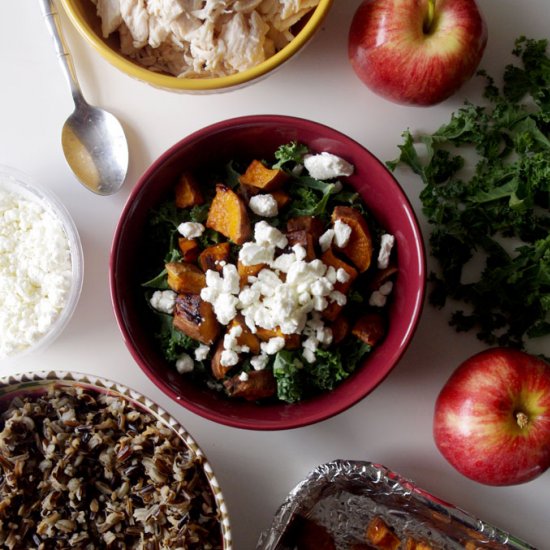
(392, 426)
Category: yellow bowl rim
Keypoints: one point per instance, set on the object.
(197, 84)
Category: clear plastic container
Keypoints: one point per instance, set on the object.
(17, 182)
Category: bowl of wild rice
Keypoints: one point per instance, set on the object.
(88, 463)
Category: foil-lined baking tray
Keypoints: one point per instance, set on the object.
(343, 496)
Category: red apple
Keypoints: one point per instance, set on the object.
(416, 51)
(492, 417)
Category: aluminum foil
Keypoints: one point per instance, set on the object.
(344, 496)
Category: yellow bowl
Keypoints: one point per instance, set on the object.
(82, 14)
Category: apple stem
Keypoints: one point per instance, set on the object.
(429, 17)
(522, 419)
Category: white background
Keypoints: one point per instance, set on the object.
(393, 425)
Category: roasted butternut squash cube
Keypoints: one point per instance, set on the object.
(185, 277)
(305, 239)
(412, 544)
(219, 371)
(246, 271)
(259, 175)
(282, 198)
(379, 534)
(248, 191)
(383, 276)
(188, 193)
(246, 338)
(196, 318)
(370, 328)
(292, 341)
(189, 249)
(329, 258)
(311, 224)
(228, 215)
(359, 248)
(340, 327)
(212, 257)
(258, 385)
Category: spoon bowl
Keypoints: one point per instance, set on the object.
(95, 148)
(93, 140)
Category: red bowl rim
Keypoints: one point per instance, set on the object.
(320, 411)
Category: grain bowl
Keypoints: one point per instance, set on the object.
(41, 266)
(198, 46)
(89, 463)
(297, 365)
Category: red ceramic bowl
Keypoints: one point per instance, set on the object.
(259, 136)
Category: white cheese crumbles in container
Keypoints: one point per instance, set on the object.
(41, 265)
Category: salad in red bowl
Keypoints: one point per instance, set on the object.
(276, 279)
(267, 272)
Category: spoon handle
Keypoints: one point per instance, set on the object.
(51, 16)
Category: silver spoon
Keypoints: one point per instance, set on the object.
(93, 140)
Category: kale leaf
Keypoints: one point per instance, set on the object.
(292, 152)
(172, 341)
(494, 209)
(288, 372)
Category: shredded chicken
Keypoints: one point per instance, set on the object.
(201, 38)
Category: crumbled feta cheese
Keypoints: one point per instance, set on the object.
(201, 353)
(317, 333)
(331, 274)
(284, 262)
(252, 253)
(273, 345)
(325, 240)
(163, 301)
(214, 280)
(264, 205)
(269, 235)
(248, 296)
(229, 358)
(308, 355)
(310, 343)
(231, 280)
(321, 287)
(243, 377)
(320, 303)
(387, 242)
(326, 166)
(225, 307)
(342, 276)
(35, 271)
(259, 362)
(221, 291)
(300, 251)
(386, 288)
(282, 296)
(185, 364)
(377, 299)
(342, 233)
(236, 331)
(191, 230)
(338, 297)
